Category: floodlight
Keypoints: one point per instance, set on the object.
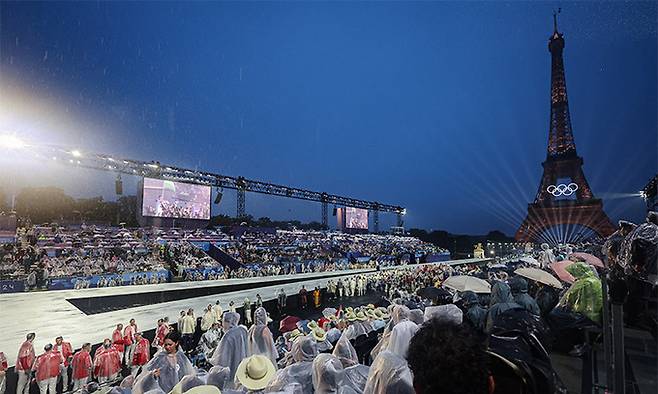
(9, 141)
(76, 153)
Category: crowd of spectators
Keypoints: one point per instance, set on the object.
(43, 253)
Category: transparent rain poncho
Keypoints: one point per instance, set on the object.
(398, 314)
(357, 376)
(172, 369)
(401, 336)
(638, 253)
(416, 316)
(449, 313)
(232, 348)
(345, 352)
(585, 295)
(329, 376)
(259, 337)
(304, 351)
(218, 376)
(389, 374)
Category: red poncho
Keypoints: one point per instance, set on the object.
(160, 334)
(129, 334)
(66, 350)
(117, 340)
(26, 357)
(107, 362)
(47, 365)
(81, 364)
(142, 352)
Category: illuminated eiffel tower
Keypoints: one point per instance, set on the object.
(564, 197)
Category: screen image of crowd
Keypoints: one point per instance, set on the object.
(168, 199)
(356, 218)
(431, 328)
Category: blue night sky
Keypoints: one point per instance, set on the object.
(440, 107)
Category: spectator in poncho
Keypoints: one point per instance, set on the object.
(475, 314)
(585, 295)
(260, 339)
(303, 353)
(501, 301)
(169, 366)
(232, 348)
(519, 287)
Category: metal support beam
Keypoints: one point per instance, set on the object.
(400, 222)
(241, 203)
(325, 215)
(375, 220)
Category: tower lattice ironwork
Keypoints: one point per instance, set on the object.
(552, 206)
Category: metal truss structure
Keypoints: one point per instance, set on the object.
(154, 169)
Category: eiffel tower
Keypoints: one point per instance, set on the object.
(564, 197)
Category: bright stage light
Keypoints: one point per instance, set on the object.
(76, 153)
(9, 141)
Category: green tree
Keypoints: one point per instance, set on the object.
(44, 204)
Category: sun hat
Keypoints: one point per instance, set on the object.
(370, 306)
(295, 333)
(361, 316)
(255, 372)
(370, 314)
(350, 316)
(319, 334)
(349, 309)
(312, 325)
(203, 389)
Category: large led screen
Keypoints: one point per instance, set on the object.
(356, 218)
(169, 199)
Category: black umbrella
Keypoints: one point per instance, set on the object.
(434, 293)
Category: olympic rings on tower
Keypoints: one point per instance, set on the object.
(562, 189)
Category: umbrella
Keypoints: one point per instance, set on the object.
(433, 293)
(288, 324)
(530, 260)
(540, 276)
(589, 259)
(465, 283)
(560, 269)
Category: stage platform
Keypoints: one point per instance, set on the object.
(90, 315)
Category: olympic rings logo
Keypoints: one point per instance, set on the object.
(562, 189)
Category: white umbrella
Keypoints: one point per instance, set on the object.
(540, 276)
(466, 283)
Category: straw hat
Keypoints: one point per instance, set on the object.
(350, 316)
(312, 325)
(319, 334)
(295, 333)
(370, 306)
(203, 389)
(349, 309)
(255, 372)
(371, 314)
(361, 316)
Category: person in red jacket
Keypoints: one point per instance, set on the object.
(117, 339)
(160, 333)
(81, 367)
(24, 363)
(66, 350)
(107, 362)
(47, 367)
(129, 341)
(141, 354)
(3, 372)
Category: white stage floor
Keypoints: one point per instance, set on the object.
(49, 314)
